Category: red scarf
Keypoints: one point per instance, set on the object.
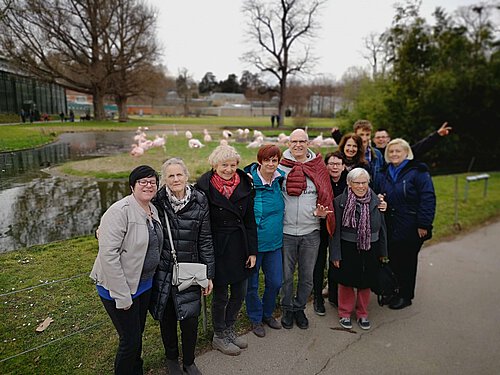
(316, 170)
(225, 187)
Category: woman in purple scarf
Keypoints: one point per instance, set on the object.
(358, 243)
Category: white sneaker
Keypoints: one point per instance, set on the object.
(364, 323)
(345, 323)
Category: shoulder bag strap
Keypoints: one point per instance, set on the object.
(174, 256)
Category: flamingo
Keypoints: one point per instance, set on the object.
(227, 134)
(223, 142)
(206, 137)
(317, 141)
(329, 142)
(257, 143)
(136, 150)
(283, 138)
(195, 143)
(159, 141)
(257, 133)
(189, 135)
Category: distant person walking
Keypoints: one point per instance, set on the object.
(273, 117)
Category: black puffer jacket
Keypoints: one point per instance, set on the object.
(193, 243)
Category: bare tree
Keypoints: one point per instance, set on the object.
(375, 53)
(282, 32)
(186, 86)
(131, 41)
(74, 42)
(4, 7)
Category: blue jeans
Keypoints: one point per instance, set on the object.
(272, 268)
(300, 251)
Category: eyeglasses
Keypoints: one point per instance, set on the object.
(332, 164)
(359, 183)
(298, 141)
(147, 182)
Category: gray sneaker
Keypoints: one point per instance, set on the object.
(239, 341)
(223, 343)
(173, 367)
(258, 329)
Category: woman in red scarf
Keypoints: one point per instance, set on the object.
(230, 196)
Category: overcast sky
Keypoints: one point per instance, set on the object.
(208, 35)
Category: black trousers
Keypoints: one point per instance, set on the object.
(403, 256)
(319, 270)
(130, 325)
(189, 334)
(225, 307)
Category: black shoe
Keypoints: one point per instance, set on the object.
(174, 367)
(192, 370)
(301, 320)
(319, 306)
(400, 303)
(287, 319)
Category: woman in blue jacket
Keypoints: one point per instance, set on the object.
(269, 210)
(411, 201)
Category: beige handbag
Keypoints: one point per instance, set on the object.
(185, 275)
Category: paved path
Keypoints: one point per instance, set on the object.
(453, 326)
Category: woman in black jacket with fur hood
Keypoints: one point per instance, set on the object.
(188, 214)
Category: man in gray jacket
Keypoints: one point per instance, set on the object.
(308, 197)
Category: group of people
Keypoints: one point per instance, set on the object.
(290, 210)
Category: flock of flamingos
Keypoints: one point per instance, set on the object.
(257, 139)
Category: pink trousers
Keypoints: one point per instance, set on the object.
(347, 302)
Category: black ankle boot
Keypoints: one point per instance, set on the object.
(400, 303)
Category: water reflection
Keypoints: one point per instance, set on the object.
(49, 208)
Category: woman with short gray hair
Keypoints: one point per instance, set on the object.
(355, 248)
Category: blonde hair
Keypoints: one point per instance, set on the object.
(223, 153)
(401, 142)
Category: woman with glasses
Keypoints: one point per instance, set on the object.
(130, 240)
(355, 248)
(336, 169)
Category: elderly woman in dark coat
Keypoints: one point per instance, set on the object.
(230, 195)
(409, 192)
(355, 248)
(188, 216)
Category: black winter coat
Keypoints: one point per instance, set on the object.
(192, 239)
(234, 230)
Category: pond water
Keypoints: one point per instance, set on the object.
(37, 208)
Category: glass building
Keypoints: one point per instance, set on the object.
(19, 91)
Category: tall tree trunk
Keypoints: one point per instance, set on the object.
(282, 102)
(98, 100)
(121, 103)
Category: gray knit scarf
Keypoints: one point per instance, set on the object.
(363, 224)
(176, 203)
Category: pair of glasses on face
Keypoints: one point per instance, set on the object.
(299, 141)
(147, 182)
(335, 164)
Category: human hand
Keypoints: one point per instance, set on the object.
(321, 211)
(422, 232)
(336, 263)
(382, 206)
(127, 307)
(250, 263)
(444, 130)
(208, 289)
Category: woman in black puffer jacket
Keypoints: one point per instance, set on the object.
(189, 218)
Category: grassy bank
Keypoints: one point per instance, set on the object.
(51, 280)
(22, 136)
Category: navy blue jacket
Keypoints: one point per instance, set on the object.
(411, 201)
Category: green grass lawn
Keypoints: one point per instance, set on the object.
(82, 339)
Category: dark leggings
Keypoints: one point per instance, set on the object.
(189, 334)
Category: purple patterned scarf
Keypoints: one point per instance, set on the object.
(363, 224)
